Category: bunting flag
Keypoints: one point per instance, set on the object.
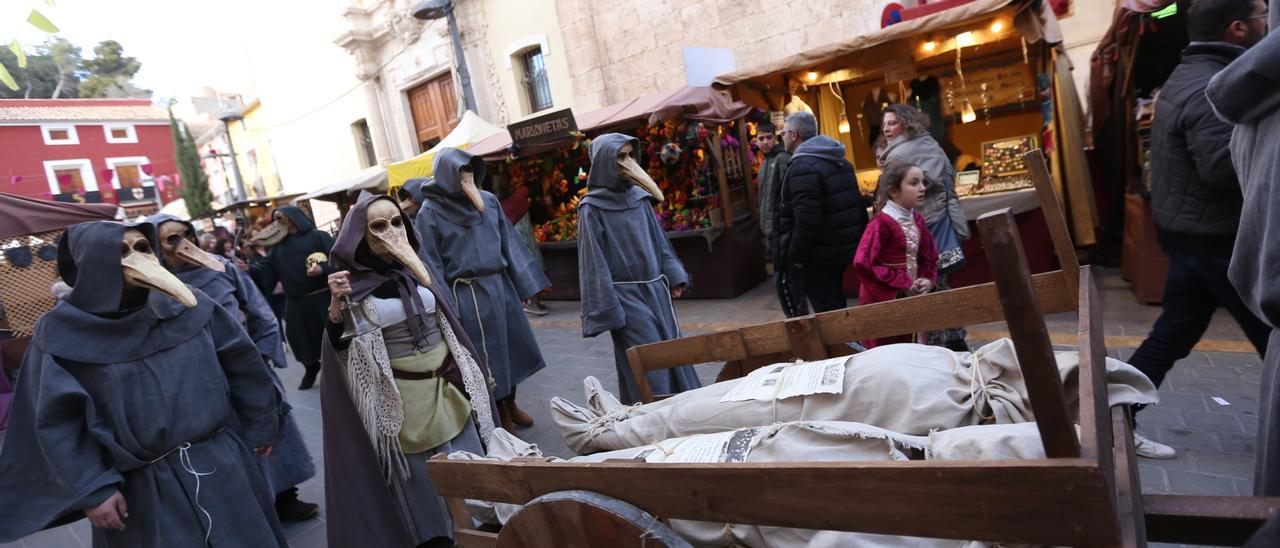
(14, 180)
(147, 168)
(108, 175)
(64, 182)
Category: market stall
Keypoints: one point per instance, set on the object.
(693, 144)
(992, 79)
(1136, 55)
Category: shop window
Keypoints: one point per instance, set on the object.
(127, 172)
(60, 135)
(120, 133)
(364, 143)
(537, 87)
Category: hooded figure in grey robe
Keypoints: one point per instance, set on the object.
(377, 489)
(138, 385)
(470, 244)
(1247, 93)
(627, 269)
(411, 196)
(290, 462)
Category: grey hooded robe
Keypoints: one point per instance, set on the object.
(626, 269)
(1247, 93)
(290, 463)
(109, 400)
(488, 271)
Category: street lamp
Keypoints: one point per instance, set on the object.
(436, 9)
(231, 151)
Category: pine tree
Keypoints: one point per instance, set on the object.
(195, 183)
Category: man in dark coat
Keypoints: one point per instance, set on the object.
(821, 217)
(290, 463)
(627, 271)
(1245, 93)
(467, 240)
(1195, 196)
(298, 259)
(136, 406)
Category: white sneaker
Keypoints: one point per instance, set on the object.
(1152, 449)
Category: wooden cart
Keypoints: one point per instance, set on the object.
(1086, 492)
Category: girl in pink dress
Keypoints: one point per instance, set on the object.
(896, 257)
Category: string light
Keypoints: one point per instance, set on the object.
(997, 26)
(811, 76)
(929, 46)
(965, 39)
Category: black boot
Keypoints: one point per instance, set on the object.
(309, 379)
(289, 508)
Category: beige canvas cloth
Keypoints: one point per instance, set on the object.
(907, 388)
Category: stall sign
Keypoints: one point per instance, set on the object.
(899, 70)
(558, 126)
(1005, 84)
(1004, 157)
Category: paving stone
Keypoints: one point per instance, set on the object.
(1193, 402)
(1235, 466)
(1153, 479)
(1182, 438)
(1235, 358)
(1212, 422)
(1162, 416)
(1238, 444)
(1194, 483)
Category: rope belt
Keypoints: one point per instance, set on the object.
(184, 458)
(671, 303)
(475, 302)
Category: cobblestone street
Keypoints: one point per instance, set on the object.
(1208, 407)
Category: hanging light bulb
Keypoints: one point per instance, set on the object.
(965, 39)
(966, 112)
(929, 46)
(997, 26)
(811, 76)
(844, 123)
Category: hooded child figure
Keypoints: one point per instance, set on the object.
(487, 271)
(397, 395)
(897, 256)
(137, 406)
(290, 463)
(298, 260)
(627, 271)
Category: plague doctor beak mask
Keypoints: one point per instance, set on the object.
(387, 236)
(630, 170)
(178, 245)
(141, 269)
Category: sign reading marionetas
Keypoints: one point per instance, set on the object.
(545, 129)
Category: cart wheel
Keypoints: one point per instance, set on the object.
(571, 519)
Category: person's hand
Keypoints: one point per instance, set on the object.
(110, 514)
(921, 286)
(264, 451)
(678, 291)
(339, 287)
(243, 266)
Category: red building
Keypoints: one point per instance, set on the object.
(88, 150)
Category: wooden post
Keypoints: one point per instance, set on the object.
(747, 161)
(806, 339)
(1128, 487)
(1030, 335)
(1054, 217)
(637, 370)
(717, 155)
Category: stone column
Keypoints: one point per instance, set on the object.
(377, 127)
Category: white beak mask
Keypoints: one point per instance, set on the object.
(631, 171)
(141, 268)
(467, 180)
(178, 248)
(386, 234)
(274, 233)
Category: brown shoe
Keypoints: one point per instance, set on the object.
(518, 416)
(504, 418)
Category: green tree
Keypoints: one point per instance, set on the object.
(50, 72)
(195, 183)
(110, 73)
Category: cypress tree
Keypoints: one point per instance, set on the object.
(195, 183)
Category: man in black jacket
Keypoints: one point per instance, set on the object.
(1195, 195)
(820, 218)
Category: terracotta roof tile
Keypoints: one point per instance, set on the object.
(75, 110)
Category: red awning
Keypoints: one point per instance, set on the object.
(21, 215)
(700, 104)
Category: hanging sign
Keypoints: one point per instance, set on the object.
(899, 70)
(558, 126)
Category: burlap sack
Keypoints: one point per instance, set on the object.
(907, 388)
(788, 442)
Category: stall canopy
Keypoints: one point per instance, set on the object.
(373, 179)
(699, 104)
(471, 130)
(20, 215)
(178, 208)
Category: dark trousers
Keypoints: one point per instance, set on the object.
(822, 285)
(791, 293)
(1196, 286)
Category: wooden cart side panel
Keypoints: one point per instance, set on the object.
(1030, 336)
(1128, 486)
(1221, 521)
(1096, 440)
(1011, 501)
